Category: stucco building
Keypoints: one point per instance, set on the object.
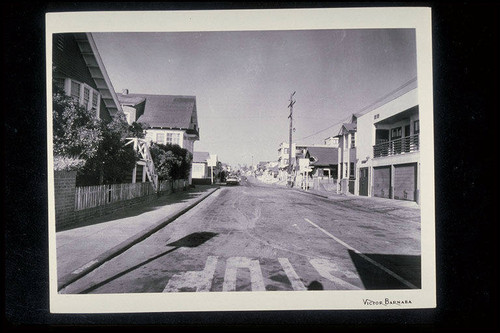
(388, 148)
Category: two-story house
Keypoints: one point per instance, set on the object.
(347, 156)
(388, 148)
(169, 119)
(79, 71)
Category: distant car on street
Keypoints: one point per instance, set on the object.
(232, 180)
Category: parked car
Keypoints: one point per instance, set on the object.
(232, 180)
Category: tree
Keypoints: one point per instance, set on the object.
(93, 147)
(171, 161)
(77, 133)
(113, 161)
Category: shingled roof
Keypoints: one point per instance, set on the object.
(348, 127)
(167, 111)
(128, 99)
(324, 156)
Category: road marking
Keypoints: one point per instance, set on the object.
(325, 267)
(232, 266)
(373, 262)
(291, 274)
(202, 280)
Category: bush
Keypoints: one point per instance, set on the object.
(171, 161)
(113, 161)
(94, 148)
(77, 133)
(62, 163)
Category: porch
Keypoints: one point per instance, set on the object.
(398, 134)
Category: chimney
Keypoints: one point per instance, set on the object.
(125, 92)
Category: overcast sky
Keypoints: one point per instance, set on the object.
(243, 80)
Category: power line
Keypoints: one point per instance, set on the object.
(338, 123)
(360, 112)
(365, 109)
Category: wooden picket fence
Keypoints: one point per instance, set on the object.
(167, 185)
(94, 196)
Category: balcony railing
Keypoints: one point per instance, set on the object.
(407, 144)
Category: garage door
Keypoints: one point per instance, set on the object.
(405, 181)
(382, 182)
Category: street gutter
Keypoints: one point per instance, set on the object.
(126, 244)
(311, 193)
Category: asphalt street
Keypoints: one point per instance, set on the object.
(259, 237)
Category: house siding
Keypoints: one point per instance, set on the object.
(151, 135)
(200, 170)
(69, 63)
(68, 60)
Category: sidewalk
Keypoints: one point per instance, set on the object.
(399, 208)
(82, 248)
(353, 199)
(362, 199)
(402, 208)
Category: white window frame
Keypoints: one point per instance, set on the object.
(169, 138)
(176, 138)
(92, 93)
(157, 134)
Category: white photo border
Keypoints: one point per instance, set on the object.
(418, 18)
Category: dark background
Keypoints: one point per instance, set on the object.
(465, 65)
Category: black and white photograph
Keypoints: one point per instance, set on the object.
(240, 160)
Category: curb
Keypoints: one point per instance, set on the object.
(316, 194)
(125, 245)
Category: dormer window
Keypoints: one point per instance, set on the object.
(84, 94)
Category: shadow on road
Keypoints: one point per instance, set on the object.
(374, 278)
(315, 285)
(192, 240)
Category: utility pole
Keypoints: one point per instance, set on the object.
(292, 102)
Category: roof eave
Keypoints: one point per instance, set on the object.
(111, 103)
